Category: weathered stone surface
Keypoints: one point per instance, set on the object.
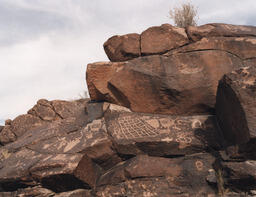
(41, 115)
(238, 176)
(235, 105)
(18, 127)
(62, 156)
(220, 30)
(1, 128)
(75, 193)
(176, 84)
(28, 192)
(243, 47)
(183, 175)
(122, 48)
(159, 39)
(157, 135)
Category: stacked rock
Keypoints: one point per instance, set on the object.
(152, 125)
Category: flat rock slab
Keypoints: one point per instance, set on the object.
(134, 133)
(236, 105)
(243, 47)
(220, 30)
(157, 174)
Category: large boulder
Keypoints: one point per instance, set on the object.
(235, 105)
(220, 30)
(160, 39)
(122, 48)
(168, 84)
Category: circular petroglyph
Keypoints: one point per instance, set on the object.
(182, 138)
(199, 165)
(196, 124)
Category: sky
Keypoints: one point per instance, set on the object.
(45, 45)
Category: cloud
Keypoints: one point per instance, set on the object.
(46, 45)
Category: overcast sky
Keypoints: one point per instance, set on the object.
(45, 45)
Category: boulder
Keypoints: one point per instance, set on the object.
(122, 48)
(243, 47)
(220, 30)
(235, 105)
(175, 84)
(156, 135)
(160, 176)
(160, 39)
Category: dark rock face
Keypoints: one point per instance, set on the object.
(156, 135)
(176, 84)
(235, 106)
(180, 176)
(122, 48)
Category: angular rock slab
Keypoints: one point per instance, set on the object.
(179, 84)
(159, 39)
(236, 105)
(160, 175)
(158, 135)
(220, 30)
(122, 48)
(60, 157)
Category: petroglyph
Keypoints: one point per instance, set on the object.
(199, 165)
(129, 127)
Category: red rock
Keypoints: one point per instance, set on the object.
(220, 30)
(122, 48)
(160, 39)
(243, 47)
(236, 106)
(176, 84)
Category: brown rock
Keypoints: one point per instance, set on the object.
(122, 48)
(176, 84)
(1, 128)
(237, 176)
(220, 30)
(42, 114)
(159, 39)
(235, 105)
(243, 47)
(157, 135)
(75, 193)
(18, 127)
(183, 175)
(62, 156)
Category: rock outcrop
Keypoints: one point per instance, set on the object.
(236, 105)
(152, 126)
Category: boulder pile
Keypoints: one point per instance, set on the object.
(172, 114)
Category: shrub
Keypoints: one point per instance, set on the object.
(184, 16)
